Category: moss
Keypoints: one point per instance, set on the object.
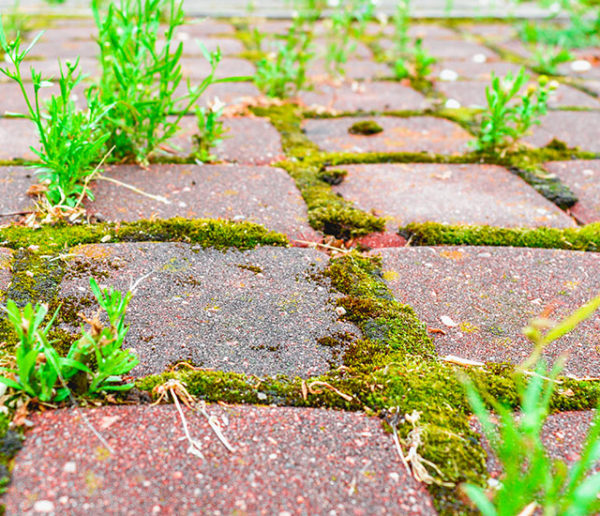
(365, 127)
(252, 268)
(586, 238)
(219, 234)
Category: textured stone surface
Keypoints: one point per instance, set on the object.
(354, 69)
(16, 138)
(227, 46)
(583, 178)
(14, 182)
(5, 272)
(441, 48)
(198, 68)
(412, 134)
(202, 305)
(575, 128)
(490, 294)
(472, 94)
(477, 71)
(286, 461)
(248, 141)
(450, 194)
(263, 195)
(367, 97)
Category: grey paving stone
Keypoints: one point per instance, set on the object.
(14, 182)
(353, 69)
(200, 27)
(472, 70)
(412, 134)
(449, 194)
(472, 94)
(489, 294)
(204, 306)
(575, 128)
(441, 48)
(197, 68)
(583, 178)
(262, 195)
(286, 461)
(365, 96)
(227, 46)
(248, 141)
(16, 138)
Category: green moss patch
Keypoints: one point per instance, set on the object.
(365, 127)
(586, 238)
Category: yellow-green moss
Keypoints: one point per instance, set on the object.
(586, 238)
(365, 127)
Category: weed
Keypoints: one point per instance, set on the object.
(284, 71)
(506, 121)
(547, 58)
(72, 141)
(531, 481)
(140, 76)
(346, 26)
(210, 130)
(14, 22)
(40, 372)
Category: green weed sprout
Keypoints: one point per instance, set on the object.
(14, 23)
(509, 117)
(72, 141)
(531, 481)
(347, 26)
(141, 72)
(283, 72)
(40, 372)
(210, 130)
(548, 57)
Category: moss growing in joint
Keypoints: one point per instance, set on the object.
(219, 234)
(586, 238)
(365, 127)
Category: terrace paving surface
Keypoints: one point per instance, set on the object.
(412, 134)
(286, 461)
(583, 178)
(207, 307)
(269, 311)
(482, 297)
(264, 195)
(448, 194)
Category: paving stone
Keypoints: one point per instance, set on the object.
(16, 138)
(5, 271)
(360, 49)
(49, 68)
(263, 195)
(575, 128)
(412, 134)
(354, 69)
(202, 305)
(227, 46)
(64, 49)
(415, 30)
(472, 70)
(519, 48)
(366, 96)
(250, 141)
(583, 178)
(493, 32)
(490, 294)
(440, 48)
(449, 194)
(266, 26)
(12, 100)
(228, 93)
(286, 461)
(14, 183)
(200, 27)
(472, 94)
(198, 68)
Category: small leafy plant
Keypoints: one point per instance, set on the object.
(15, 23)
(531, 481)
(40, 372)
(283, 72)
(72, 140)
(141, 72)
(548, 57)
(415, 63)
(210, 130)
(508, 116)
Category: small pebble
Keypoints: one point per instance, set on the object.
(581, 65)
(452, 104)
(448, 75)
(43, 506)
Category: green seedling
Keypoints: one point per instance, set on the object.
(141, 73)
(415, 63)
(531, 482)
(547, 58)
(283, 72)
(509, 116)
(347, 25)
(210, 130)
(15, 23)
(72, 141)
(41, 373)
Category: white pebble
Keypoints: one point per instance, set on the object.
(70, 467)
(452, 104)
(479, 58)
(43, 506)
(448, 75)
(581, 65)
